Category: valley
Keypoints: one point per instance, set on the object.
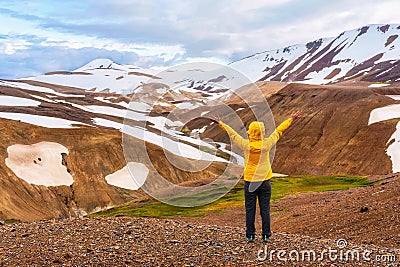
(108, 150)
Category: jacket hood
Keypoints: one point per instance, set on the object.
(256, 131)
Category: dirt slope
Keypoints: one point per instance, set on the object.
(93, 154)
(332, 137)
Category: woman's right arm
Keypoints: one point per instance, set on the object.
(235, 137)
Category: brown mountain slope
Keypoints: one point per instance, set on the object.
(88, 149)
(93, 154)
(332, 137)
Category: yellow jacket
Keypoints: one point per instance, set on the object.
(256, 149)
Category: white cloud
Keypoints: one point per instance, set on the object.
(248, 5)
(10, 46)
(168, 32)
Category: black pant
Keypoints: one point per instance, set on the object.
(262, 191)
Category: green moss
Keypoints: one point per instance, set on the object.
(12, 221)
(281, 187)
(307, 183)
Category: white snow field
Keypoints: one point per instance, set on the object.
(14, 101)
(387, 113)
(378, 85)
(175, 147)
(395, 97)
(39, 164)
(131, 177)
(43, 121)
(393, 150)
(384, 113)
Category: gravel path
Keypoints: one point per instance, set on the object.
(159, 242)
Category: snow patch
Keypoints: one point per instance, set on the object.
(26, 86)
(384, 113)
(39, 164)
(17, 101)
(108, 110)
(393, 149)
(172, 146)
(395, 97)
(143, 107)
(177, 148)
(187, 105)
(238, 158)
(131, 177)
(387, 113)
(377, 85)
(108, 123)
(162, 104)
(48, 122)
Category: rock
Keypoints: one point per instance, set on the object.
(2, 223)
(57, 261)
(364, 209)
(129, 232)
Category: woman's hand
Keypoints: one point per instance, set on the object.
(296, 115)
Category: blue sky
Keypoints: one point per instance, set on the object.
(41, 36)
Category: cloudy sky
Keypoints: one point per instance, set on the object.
(41, 36)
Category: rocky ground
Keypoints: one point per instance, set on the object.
(364, 215)
(365, 218)
(367, 215)
(159, 242)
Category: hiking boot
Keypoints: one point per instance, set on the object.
(250, 238)
(265, 238)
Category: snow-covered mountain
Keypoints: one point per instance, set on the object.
(104, 75)
(370, 53)
(100, 75)
(184, 86)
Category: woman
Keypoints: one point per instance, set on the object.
(257, 170)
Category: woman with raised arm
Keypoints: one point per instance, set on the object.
(257, 170)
